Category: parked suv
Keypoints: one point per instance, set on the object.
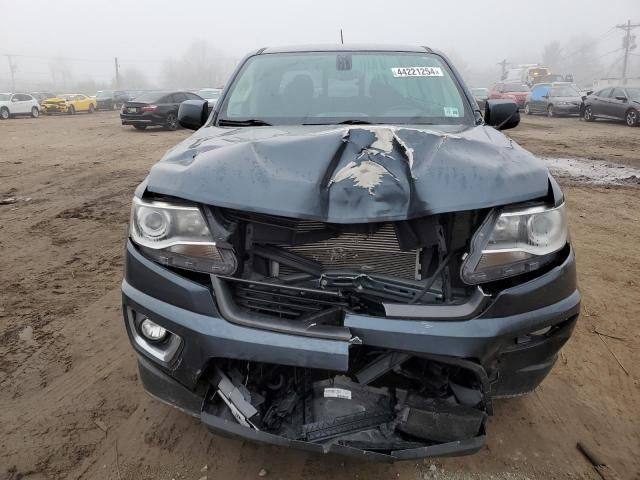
(15, 104)
(155, 108)
(347, 257)
(554, 99)
(619, 103)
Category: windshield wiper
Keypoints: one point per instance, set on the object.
(345, 122)
(246, 122)
(355, 122)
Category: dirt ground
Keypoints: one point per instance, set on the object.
(71, 406)
(569, 137)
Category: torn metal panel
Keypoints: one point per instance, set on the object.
(351, 174)
(396, 414)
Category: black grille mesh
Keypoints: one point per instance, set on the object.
(374, 253)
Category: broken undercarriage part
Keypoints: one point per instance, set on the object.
(436, 419)
(386, 401)
(237, 398)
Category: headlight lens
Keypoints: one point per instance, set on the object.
(177, 235)
(515, 241)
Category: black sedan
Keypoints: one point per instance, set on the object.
(155, 108)
(618, 103)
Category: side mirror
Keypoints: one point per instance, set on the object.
(502, 114)
(621, 98)
(193, 114)
(546, 95)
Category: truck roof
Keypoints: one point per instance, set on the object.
(349, 47)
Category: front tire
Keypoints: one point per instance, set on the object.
(527, 109)
(550, 112)
(4, 113)
(91, 108)
(171, 122)
(35, 113)
(72, 110)
(632, 117)
(588, 115)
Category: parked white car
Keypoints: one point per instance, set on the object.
(13, 104)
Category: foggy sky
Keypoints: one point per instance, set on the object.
(144, 32)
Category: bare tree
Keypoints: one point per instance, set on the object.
(133, 78)
(552, 56)
(61, 74)
(201, 66)
(582, 59)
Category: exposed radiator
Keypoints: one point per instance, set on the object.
(375, 253)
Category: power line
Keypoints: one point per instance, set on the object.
(592, 43)
(93, 60)
(628, 44)
(612, 66)
(608, 53)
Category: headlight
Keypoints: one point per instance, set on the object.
(177, 235)
(511, 242)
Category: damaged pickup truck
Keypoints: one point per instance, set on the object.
(348, 256)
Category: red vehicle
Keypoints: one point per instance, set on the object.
(512, 91)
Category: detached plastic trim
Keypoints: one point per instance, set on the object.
(234, 314)
(464, 311)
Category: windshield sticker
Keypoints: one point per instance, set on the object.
(400, 72)
(451, 112)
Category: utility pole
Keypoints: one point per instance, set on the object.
(628, 43)
(12, 68)
(117, 74)
(503, 65)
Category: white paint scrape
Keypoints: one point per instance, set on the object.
(384, 142)
(384, 139)
(366, 174)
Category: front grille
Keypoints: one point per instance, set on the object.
(378, 252)
(281, 301)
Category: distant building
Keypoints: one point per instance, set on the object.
(615, 81)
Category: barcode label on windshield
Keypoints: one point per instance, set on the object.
(399, 72)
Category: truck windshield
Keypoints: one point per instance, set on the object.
(345, 87)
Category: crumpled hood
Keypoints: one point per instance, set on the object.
(350, 174)
(55, 100)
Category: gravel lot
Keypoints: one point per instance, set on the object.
(70, 403)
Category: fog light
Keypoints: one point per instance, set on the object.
(152, 331)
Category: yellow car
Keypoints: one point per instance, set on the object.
(69, 103)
